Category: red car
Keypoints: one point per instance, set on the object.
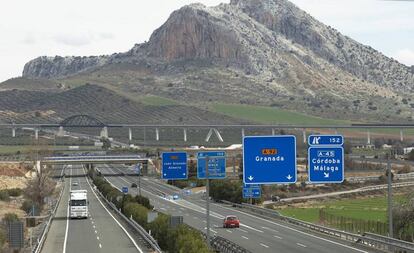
(231, 221)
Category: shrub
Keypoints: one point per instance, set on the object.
(137, 211)
(4, 195)
(143, 201)
(15, 192)
(190, 241)
(2, 239)
(27, 206)
(159, 229)
(9, 217)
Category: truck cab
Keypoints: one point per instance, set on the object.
(78, 204)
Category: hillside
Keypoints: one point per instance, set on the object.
(106, 105)
(251, 52)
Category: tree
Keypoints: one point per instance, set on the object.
(41, 185)
(403, 219)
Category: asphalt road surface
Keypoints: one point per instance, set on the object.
(100, 232)
(255, 233)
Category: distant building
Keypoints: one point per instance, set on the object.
(408, 150)
(386, 146)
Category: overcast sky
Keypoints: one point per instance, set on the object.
(31, 28)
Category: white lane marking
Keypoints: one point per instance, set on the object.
(300, 244)
(100, 246)
(229, 231)
(247, 238)
(117, 222)
(205, 228)
(293, 229)
(96, 232)
(65, 241)
(204, 221)
(94, 226)
(257, 230)
(97, 238)
(270, 229)
(243, 230)
(264, 245)
(278, 237)
(195, 218)
(162, 208)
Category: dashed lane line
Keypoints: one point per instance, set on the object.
(264, 245)
(117, 222)
(300, 244)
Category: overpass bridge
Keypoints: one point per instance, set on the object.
(93, 159)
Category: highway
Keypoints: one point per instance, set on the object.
(101, 232)
(255, 233)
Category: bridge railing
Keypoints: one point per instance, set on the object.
(367, 239)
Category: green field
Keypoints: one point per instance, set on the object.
(374, 209)
(268, 115)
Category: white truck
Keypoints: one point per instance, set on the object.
(78, 204)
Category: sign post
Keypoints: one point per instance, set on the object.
(269, 159)
(210, 165)
(208, 200)
(326, 159)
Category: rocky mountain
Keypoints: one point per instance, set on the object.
(261, 52)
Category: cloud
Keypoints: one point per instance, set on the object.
(29, 39)
(81, 39)
(74, 40)
(106, 36)
(405, 56)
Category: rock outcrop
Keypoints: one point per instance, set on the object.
(270, 38)
(56, 67)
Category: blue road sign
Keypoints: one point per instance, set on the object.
(252, 191)
(326, 164)
(216, 165)
(174, 166)
(269, 159)
(124, 189)
(325, 140)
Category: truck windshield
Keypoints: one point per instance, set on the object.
(81, 202)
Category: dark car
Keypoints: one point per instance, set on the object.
(133, 185)
(275, 198)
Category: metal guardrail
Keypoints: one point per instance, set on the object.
(223, 245)
(390, 240)
(141, 231)
(368, 240)
(39, 245)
